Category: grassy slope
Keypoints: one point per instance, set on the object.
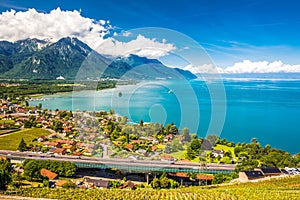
(3, 131)
(7, 131)
(179, 155)
(225, 148)
(7, 122)
(11, 141)
(286, 188)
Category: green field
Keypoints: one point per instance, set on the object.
(225, 148)
(12, 140)
(179, 155)
(7, 122)
(284, 188)
(3, 132)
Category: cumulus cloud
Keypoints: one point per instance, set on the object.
(54, 25)
(141, 46)
(58, 23)
(248, 66)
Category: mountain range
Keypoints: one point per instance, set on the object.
(72, 59)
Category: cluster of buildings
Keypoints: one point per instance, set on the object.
(84, 183)
(265, 172)
(77, 133)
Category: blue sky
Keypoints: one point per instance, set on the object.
(230, 31)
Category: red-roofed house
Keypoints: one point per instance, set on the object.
(129, 147)
(60, 151)
(153, 148)
(71, 142)
(49, 174)
(50, 144)
(168, 138)
(167, 157)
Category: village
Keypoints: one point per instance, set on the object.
(101, 134)
(108, 135)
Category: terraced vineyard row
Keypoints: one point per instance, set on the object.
(287, 188)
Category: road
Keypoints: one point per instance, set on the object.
(147, 165)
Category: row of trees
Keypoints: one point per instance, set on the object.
(253, 155)
(32, 168)
(163, 182)
(224, 178)
(24, 88)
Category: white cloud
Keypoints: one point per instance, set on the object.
(205, 68)
(57, 24)
(126, 33)
(54, 25)
(140, 46)
(248, 66)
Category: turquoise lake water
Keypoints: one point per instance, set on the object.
(237, 110)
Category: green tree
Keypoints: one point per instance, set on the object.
(5, 173)
(190, 154)
(46, 183)
(124, 119)
(69, 169)
(116, 183)
(193, 149)
(141, 122)
(22, 145)
(127, 137)
(27, 124)
(111, 111)
(32, 170)
(237, 150)
(196, 144)
(246, 164)
(176, 145)
(155, 183)
(168, 148)
(173, 183)
(57, 126)
(254, 141)
(223, 178)
(213, 139)
(69, 185)
(186, 135)
(267, 149)
(164, 182)
(225, 160)
(39, 106)
(192, 175)
(171, 129)
(5, 179)
(16, 180)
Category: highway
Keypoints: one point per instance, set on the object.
(125, 164)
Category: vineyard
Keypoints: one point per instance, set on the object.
(284, 188)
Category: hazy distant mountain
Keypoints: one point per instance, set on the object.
(136, 67)
(73, 59)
